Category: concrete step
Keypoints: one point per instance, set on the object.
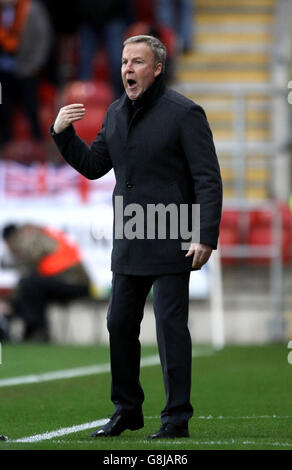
(243, 28)
(230, 7)
(197, 59)
(252, 116)
(234, 76)
(252, 162)
(224, 66)
(257, 151)
(252, 175)
(229, 48)
(213, 18)
(263, 4)
(225, 102)
(234, 38)
(220, 124)
(251, 135)
(250, 194)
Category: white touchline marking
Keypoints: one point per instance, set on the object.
(77, 372)
(61, 432)
(83, 427)
(55, 375)
(83, 371)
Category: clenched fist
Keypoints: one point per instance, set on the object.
(67, 115)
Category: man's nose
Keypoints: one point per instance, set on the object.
(129, 67)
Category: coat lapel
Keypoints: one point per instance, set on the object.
(122, 117)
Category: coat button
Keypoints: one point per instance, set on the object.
(130, 185)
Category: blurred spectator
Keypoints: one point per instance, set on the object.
(51, 269)
(145, 10)
(24, 44)
(63, 25)
(177, 15)
(103, 24)
(64, 15)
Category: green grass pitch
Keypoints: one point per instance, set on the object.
(241, 397)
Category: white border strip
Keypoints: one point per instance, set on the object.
(101, 422)
(82, 427)
(61, 432)
(55, 375)
(82, 371)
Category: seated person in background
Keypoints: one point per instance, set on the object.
(51, 269)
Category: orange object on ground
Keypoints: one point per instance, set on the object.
(66, 255)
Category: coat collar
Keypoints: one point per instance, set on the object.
(152, 93)
(124, 108)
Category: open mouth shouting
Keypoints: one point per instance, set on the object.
(131, 83)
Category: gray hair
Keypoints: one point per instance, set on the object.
(157, 47)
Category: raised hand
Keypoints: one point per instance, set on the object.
(67, 115)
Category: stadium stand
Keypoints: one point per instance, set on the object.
(233, 46)
(234, 50)
(238, 71)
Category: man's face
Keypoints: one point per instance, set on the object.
(138, 70)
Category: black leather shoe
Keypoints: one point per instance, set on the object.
(169, 430)
(119, 423)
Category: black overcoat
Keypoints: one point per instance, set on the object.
(161, 149)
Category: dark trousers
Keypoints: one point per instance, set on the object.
(35, 293)
(21, 90)
(170, 302)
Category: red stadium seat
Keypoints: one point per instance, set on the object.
(88, 93)
(264, 236)
(230, 218)
(229, 234)
(264, 218)
(88, 127)
(255, 228)
(261, 232)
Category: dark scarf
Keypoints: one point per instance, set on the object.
(149, 96)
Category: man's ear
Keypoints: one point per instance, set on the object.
(158, 69)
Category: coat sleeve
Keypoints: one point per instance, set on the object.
(92, 162)
(199, 149)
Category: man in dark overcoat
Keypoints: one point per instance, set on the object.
(161, 149)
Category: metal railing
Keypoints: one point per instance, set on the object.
(239, 147)
(275, 148)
